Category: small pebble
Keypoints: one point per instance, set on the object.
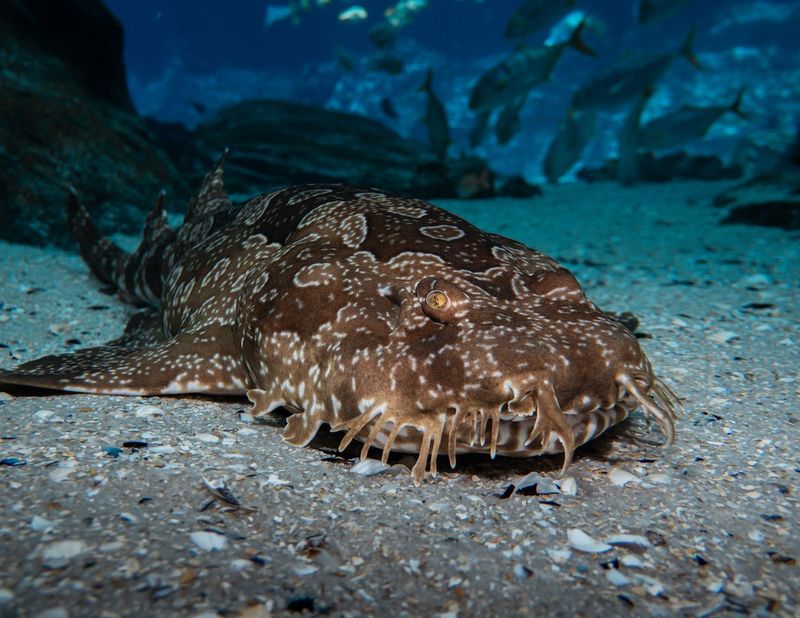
(40, 524)
(722, 336)
(439, 507)
(653, 586)
(304, 570)
(208, 541)
(13, 462)
(559, 556)
(209, 438)
(63, 470)
(162, 449)
(6, 595)
(715, 586)
(57, 555)
(740, 587)
(274, 481)
(240, 564)
(758, 281)
(43, 415)
(53, 612)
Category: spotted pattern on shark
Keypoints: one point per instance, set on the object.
(386, 318)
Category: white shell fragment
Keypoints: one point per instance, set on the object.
(58, 554)
(631, 561)
(568, 486)
(559, 556)
(653, 586)
(543, 485)
(304, 570)
(147, 411)
(40, 524)
(534, 484)
(722, 336)
(581, 541)
(43, 415)
(629, 540)
(208, 438)
(208, 541)
(616, 578)
(162, 449)
(62, 471)
(369, 467)
(219, 489)
(621, 477)
(53, 612)
(274, 481)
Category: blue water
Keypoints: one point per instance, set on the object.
(186, 59)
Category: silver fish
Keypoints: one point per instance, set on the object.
(685, 124)
(436, 119)
(629, 76)
(629, 139)
(518, 73)
(479, 125)
(386, 62)
(508, 121)
(534, 15)
(650, 11)
(573, 133)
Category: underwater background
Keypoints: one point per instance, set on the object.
(651, 147)
(187, 60)
(434, 99)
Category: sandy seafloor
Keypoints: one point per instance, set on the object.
(93, 528)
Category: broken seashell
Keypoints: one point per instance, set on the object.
(57, 555)
(208, 541)
(369, 467)
(581, 541)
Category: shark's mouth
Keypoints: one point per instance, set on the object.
(545, 428)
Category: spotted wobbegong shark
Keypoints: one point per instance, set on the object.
(384, 317)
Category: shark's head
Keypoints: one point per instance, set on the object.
(510, 357)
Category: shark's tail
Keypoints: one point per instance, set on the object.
(140, 276)
(137, 276)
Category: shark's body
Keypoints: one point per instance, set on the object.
(382, 316)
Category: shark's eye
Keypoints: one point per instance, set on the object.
(436, 299)
(441, 300)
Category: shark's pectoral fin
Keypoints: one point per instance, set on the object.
(199, 361)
